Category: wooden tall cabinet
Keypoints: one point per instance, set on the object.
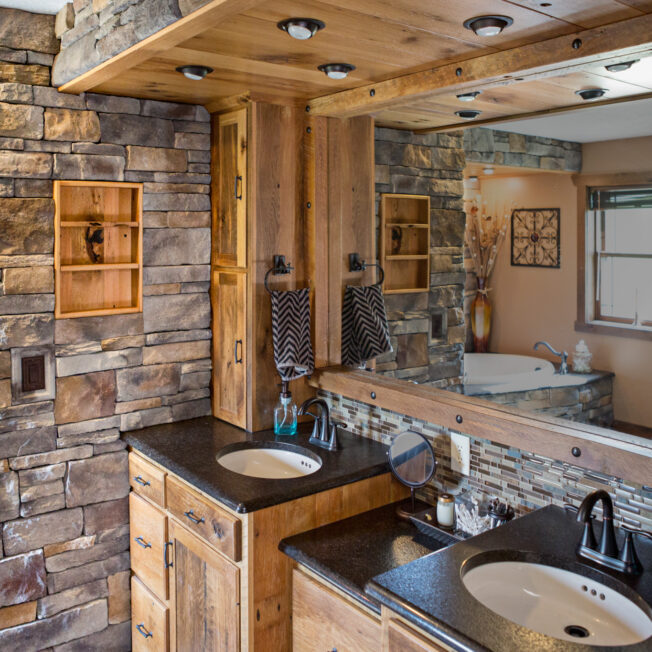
(257, 213)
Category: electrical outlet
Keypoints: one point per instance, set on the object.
(460, 454)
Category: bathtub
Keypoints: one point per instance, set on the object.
(487, 373)
(531, 384)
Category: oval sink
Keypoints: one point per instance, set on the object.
(270, 461)
(558, 603)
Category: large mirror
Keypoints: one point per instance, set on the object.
(560, 207)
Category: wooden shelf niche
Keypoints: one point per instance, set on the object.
(98, 248)
(405, 243)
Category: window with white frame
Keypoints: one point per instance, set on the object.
(618, 241)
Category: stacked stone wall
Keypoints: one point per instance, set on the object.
(92, 31)
(431, 165)
(64, 544)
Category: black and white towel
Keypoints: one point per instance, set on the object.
(291, 333)
(365, 332)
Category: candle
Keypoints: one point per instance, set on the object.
(446, 510)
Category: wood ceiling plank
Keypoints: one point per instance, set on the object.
(374, 47)
(179, 31)
(623, 38)
(583, 13)
(534, 114)
(445, 19)
(644, 5)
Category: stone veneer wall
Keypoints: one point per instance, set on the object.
(591, 402)
(525, 480)
(493, 147)
(432, 165)
(93, 31)
(64, 549)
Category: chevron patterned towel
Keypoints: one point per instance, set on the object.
(291, 333)
(365, 332)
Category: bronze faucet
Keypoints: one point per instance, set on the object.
(324, 431)
(607, 554)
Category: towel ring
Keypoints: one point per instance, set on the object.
(356, 264)
(280, 267)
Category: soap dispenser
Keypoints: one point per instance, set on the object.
(285, 413)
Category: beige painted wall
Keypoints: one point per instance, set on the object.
(537, 303)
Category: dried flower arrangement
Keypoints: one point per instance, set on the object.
(484, 237)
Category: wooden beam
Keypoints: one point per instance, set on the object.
(181, 30)
(531, 114)
(625, 38)
(600, 449)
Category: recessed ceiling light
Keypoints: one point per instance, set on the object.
(336, 70)
(468, 97)
(301, 28)
(468, 115)
(195, 73)
(622, 66)
(488, 25)
(591, 93)
(473, 179)
(488, 171)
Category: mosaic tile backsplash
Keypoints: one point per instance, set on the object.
(526, 480)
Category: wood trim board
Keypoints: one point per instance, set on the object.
(554, 438)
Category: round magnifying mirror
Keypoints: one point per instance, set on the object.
(412, 460)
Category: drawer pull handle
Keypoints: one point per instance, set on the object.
(191, 515)
(142, 543)
(140, 481)
(235, 192)
(238, 360)
(141, 628)
(166, 563)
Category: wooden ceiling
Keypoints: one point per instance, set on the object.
(384, 39)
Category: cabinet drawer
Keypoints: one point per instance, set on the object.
(149, 620)
(322, 620)
(401, 637)
(145, 479)
(148, 537)
(215, 525)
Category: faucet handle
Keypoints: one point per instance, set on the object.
(571, 508)
(641, 533)
(628, 554)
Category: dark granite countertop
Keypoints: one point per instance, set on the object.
(350, 552)
(189, 449)
(430, 594)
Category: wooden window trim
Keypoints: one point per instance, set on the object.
(602, 325)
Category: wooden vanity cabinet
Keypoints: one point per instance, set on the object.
(323, 620)
(210, 579)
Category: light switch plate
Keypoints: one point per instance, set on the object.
(460, 454)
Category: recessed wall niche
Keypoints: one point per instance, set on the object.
(32, 374)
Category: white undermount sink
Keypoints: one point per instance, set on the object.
(270, 462)
(558, 603)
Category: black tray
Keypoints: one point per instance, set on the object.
(426, 523)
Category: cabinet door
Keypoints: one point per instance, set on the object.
(230, 209)
(149, 620)
(322, 620)
(204, 596)
(229, 297)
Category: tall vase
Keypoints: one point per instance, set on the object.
(481, 318)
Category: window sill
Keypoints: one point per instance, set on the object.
(606, 328)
